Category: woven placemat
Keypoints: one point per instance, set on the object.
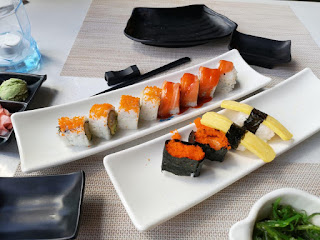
(101, 45)
(104, 217)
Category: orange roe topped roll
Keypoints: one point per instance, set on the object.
(128, 113)
(179, 150)
(100, 110)
(75, 124)
(128, 103)
(150, 102)
(152, 94)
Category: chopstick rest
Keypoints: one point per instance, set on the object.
(116, 77)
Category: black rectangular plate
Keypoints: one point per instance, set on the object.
(260, 51)
(45, 207)
(177, 27)
(33, 83)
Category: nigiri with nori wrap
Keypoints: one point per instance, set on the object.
(237, 135)
(182, 158)
(214, 142)
(256, 120)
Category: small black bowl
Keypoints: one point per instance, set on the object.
(260, 51)
(44, 207)
(177, 27)
(33, 83)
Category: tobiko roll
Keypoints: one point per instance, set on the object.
(103, 120)
(150, 102)
(74, 131)
(189, 89)
(209, 79)
(128, 113)
(214, 142)
(170, 99)
(228, 76)
(182, 158)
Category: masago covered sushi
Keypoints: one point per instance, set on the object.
(182, 158)
(74, 131)
(128, 112)
(150, 102)
(103, 120)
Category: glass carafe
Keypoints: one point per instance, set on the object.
(18, 50)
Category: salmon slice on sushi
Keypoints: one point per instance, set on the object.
(209, 79)
(170, 99)
(228, 76)
(74, 131)
(150, 102)
(128, 113)
(103, 120)
(189, 90)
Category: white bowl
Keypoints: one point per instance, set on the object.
(300, 200)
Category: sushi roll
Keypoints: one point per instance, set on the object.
(213, 142)
(237, 135)
(257, 122)
(150, 102)
(209, 79)
(170, 99)
(74, 131)
(103, 120)
(182, 158)
(128, 113)
(228, 76)
(189, 89)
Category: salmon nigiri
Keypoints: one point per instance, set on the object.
(209, 79)
(170, 99)
(228, 75)
(189, 90)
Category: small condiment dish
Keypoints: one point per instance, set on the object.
(298, 199)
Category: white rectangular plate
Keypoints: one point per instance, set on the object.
(152, 197)
(36, 132)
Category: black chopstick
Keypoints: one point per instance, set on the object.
(148, 74)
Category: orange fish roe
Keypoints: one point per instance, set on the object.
(152, 94)
(75, 124)
(128, 103)
(180, 150)
(206, 135)
(175, 135)
(100, 110)
(225, 66)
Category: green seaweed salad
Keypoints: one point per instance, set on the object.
(285, 223)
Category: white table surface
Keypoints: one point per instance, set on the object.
(55, 25)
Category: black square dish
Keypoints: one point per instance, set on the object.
(45, 207)
(260, 51)
(33, 83)
(177, 27)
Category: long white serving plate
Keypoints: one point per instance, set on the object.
(152, 197)
(36, 133)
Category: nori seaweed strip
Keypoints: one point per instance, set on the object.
(234, 135)
(211, 153)
(254, 120)
(180, 166)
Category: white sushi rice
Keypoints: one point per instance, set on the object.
(99, 127)
(128, 119)
(227, 81)
(175, 111)
(75, 138)
(149, 108)
(262, 132)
